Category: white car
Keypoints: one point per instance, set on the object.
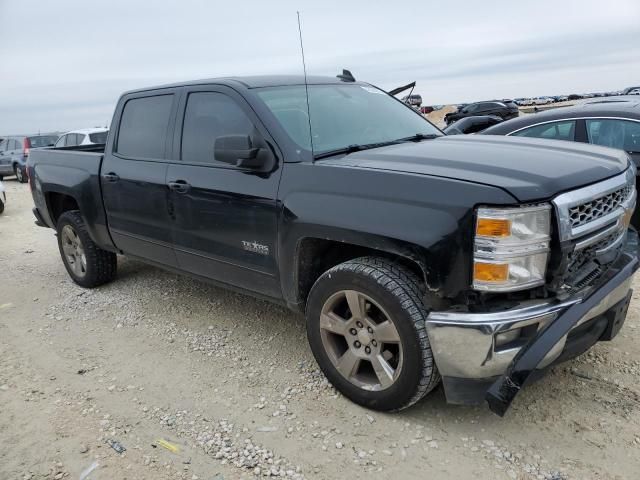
(3, 197)
(86, 136)
(541, 100)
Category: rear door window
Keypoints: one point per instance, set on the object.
(210, 115)
(614, 133)
(565, 130)
(143, 127)
(98, 137)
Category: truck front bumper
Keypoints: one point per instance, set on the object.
(494, 354)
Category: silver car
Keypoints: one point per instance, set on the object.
(3, 197)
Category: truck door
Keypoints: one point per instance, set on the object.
(225, 216)
(133, 176)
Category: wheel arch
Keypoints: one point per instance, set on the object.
(316, 255)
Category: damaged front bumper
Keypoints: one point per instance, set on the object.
(492, 355)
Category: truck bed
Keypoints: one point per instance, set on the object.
(70, 172)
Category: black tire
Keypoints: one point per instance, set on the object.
(101, 266)
(397, 290)
(1, 206)
(20, 173)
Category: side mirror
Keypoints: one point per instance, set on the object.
(240, 151)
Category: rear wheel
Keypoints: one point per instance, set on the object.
(87, 264)
(19, 173)
(366, 328)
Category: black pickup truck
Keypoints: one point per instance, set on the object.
(415, 257)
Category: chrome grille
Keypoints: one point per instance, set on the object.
(598, 208)
(592, 226)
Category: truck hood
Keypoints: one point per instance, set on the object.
(528, 168)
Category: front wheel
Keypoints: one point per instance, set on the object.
(87, 264)
(20, 173)
(366, 328)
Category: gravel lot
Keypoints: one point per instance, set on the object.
(230, 383)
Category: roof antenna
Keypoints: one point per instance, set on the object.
(346, 76)
(306, 85)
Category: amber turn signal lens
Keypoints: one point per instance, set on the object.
(490, 272)
(493, 227)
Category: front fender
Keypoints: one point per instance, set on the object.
(426, 219)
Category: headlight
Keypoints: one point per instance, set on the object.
(511, 248)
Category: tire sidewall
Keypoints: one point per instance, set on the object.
(74, 220)
(19, 173)
(407, 383)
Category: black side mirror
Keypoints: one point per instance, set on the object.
(241, 151)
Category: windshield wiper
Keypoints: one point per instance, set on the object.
(418, 137)
(357, 148)
(353, 148)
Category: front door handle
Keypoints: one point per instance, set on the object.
(110, 177)
(179, 186)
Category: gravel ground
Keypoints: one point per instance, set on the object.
(199, 383)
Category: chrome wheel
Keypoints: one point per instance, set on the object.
(73, 251)
(361, 340)
(18, 171)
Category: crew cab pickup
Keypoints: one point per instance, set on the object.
(415, 257)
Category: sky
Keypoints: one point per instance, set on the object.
(64, 63)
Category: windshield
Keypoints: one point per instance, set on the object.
(99, 137)
(42, 141)
(343, 116)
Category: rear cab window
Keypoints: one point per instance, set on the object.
(143, 126)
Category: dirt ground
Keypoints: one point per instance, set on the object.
(230, 383)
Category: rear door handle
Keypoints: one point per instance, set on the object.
(111, 177)
(179, 186)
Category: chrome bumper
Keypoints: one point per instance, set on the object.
(464, 344)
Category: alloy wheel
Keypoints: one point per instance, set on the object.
(73, 251)
(361, 340)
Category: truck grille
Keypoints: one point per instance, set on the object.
(590, 211)
(592, 226)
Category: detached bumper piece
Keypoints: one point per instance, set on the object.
(520, 370)
(491, 355)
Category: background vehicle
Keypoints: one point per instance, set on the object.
(414, 99)
(15, 150)
(87, 136)
(469, 125)
(3, 197)
(409, 252)
(613, 122)
(541, 100)
(503, 109)
(631, 91)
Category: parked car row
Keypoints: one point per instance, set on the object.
(504, 109)
(15, 149)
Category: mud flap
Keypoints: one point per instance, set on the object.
(504, 390)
